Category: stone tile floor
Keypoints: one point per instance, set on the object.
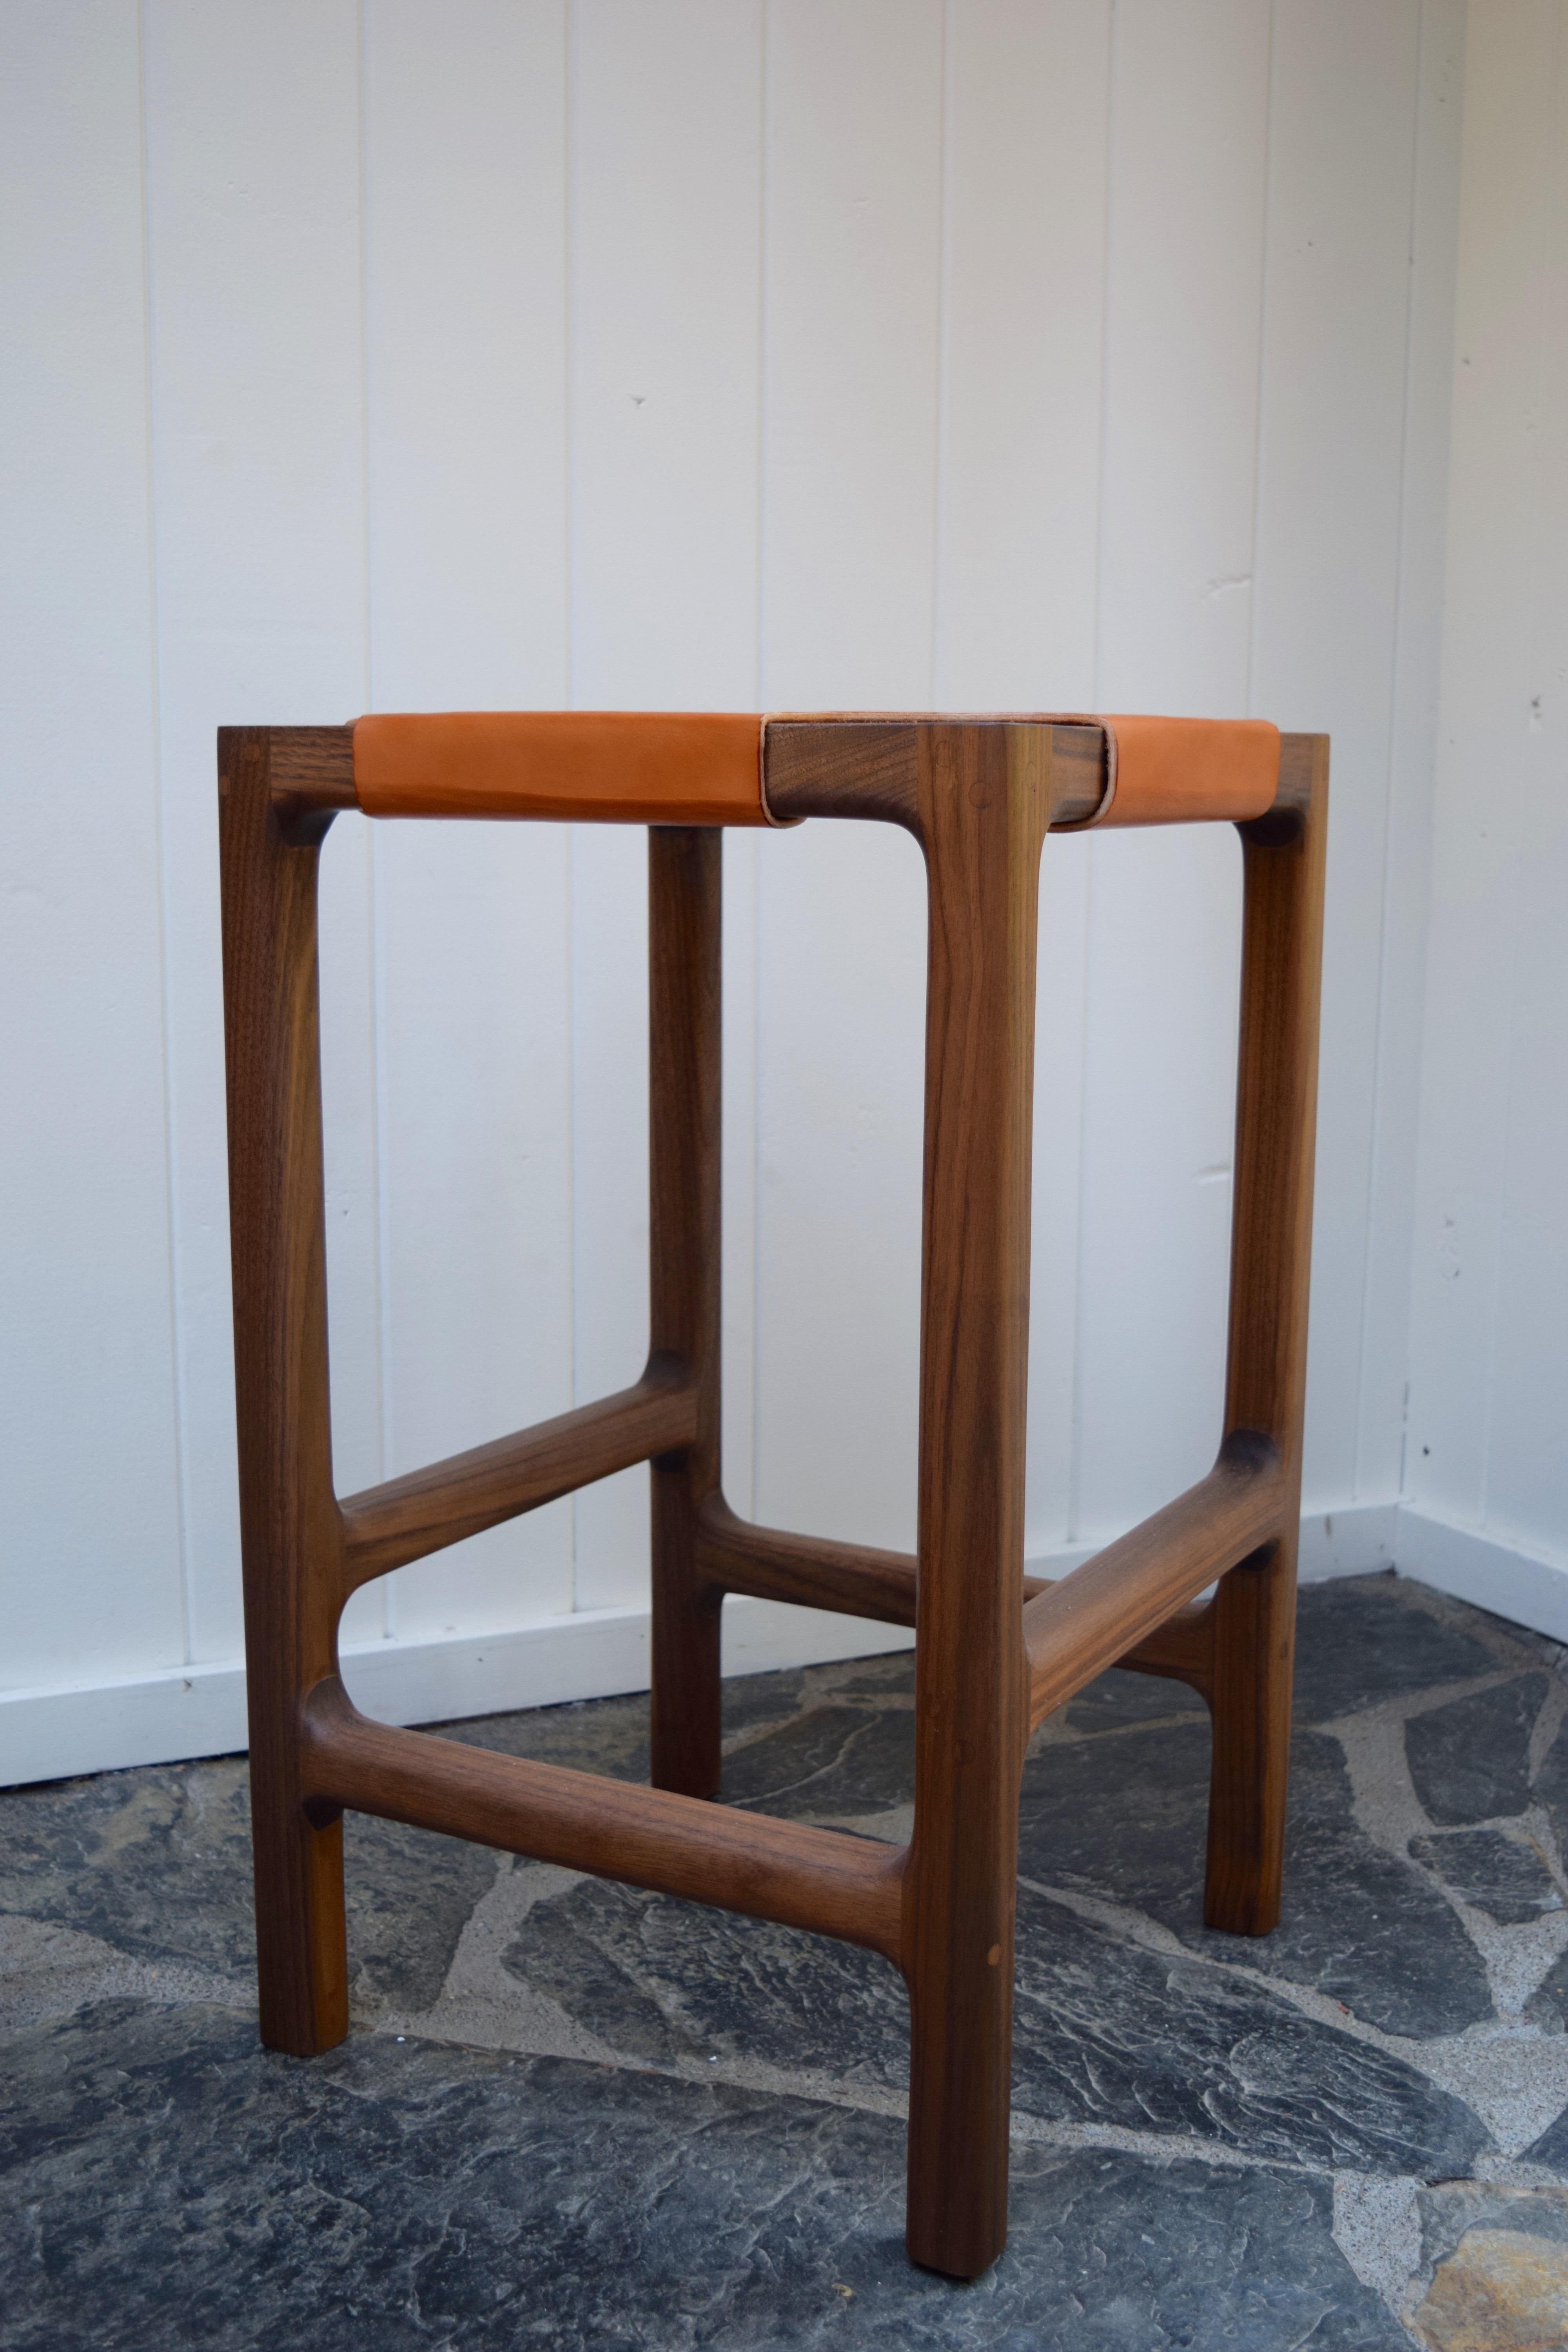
(575, 2115)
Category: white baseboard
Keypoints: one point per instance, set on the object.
(199, 1710)
(1477, 1568)
(1357, 1541)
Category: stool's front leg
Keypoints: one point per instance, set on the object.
(983, 809)
(685, 874)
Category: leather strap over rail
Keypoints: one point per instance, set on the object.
(1187, 770)
(626, 767)
(685, 767)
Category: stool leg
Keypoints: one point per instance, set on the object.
(685, 873)
(982, 817)
(290, 1532)
(1255, 1617)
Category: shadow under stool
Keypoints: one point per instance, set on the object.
(995, 1652)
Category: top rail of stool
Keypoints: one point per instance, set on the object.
(730, 767)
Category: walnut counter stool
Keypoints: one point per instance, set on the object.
(995, 1651)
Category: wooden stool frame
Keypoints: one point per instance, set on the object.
(995, 1652)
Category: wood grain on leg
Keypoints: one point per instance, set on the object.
(1255, 1607)
(291, 1533)
(685, 869)
(984, 803)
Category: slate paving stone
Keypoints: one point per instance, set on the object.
(831, 1757)
(1362, 1640)
(1125, 1818)
(661, 1980)
(1550, 1788)
(156, 1862)
(1494, 2264)
(892, 1677)
(169, 2186)
(1118, 1699)
(611, 1735)
(748, 1702)
(409, 1894)
(1448, 2208)
(1508, 1880)
(1552, 2148)
(1548, 2005)
(601, 1735)
(1104, 2031)
(1469, 1760)
(1107, 2032)
(1500, 2291)
(836, 1762)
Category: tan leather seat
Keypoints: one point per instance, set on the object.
(684, 767)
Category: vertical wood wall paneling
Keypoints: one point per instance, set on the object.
(253, 190)
(1337, 337)
(1017, 530)
(1184, 295)
(1488, 1382)
(1380, 1467)
(93, 1571)
(665, 261)
(851, 353)
(464, 156)
(1527, 1472)
(786, 386)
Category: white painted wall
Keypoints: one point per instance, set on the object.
(742, 352)
(1489, 1402)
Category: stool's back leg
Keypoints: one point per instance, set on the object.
(982, 811)
(290, 1532)
(685, 873)
(1255, 1616)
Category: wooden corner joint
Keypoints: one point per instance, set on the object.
(311, 772)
